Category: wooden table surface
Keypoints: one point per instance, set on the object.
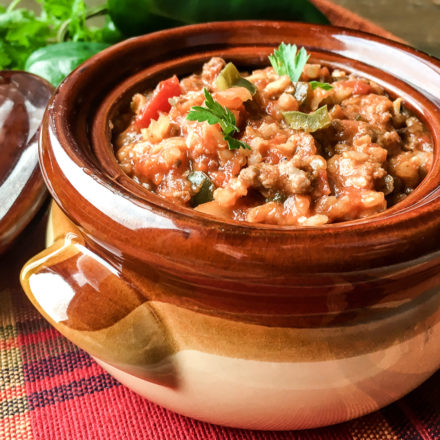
(416, 21)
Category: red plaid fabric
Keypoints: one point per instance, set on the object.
(50, 389)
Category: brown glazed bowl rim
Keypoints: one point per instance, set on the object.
(419, 212)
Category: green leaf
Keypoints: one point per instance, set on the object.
(56, 61)
(5, 59)
(235, 144)
(202, 114)
(56, 10)
(230, 77)
(287, 60)
(215, 113)
(321, 85)
(22, 31)
(310, 122)
(203, 187)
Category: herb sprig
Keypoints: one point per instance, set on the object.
(215, 113)
(321, 85)
(23, 31)
(288, 60)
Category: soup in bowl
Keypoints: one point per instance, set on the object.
(300, 288)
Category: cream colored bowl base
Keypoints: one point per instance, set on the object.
(283, 395)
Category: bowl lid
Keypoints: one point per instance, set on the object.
(23, 99)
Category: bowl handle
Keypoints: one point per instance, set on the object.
(89, 301)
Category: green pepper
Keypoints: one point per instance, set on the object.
(310, 122)
(56, 61)
(303, 92)
(202, 187)
(277, 197)
(134, 17)
(110, 33)
(230, 77)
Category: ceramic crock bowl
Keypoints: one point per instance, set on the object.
(238, 324)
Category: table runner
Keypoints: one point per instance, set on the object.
(50, 389)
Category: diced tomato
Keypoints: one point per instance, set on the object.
(159, 101)
(359, 87)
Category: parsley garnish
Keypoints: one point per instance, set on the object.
(321, 85)
(287, 60)
(215, 113)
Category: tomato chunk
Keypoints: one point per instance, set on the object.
(359, 87)
(159, 101)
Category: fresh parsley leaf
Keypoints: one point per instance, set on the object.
(22, 31)
(235, 144)
(287, 60)
(321, 85)
(215, 113)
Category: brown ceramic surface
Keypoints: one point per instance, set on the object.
(220, 257)
(343, 318)
(23, 98)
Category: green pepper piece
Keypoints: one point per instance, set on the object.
(310, 122)
(110, 33)
(134, 17)
(56, 61)
(202, 186)
(303, 91)
(230, 77)
(277, 197)
(219, 10)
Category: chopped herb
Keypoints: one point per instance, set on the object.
(287, 60)
(215, 113)
(310, 122)
(321, 85)
(277, 197)
(230, 77)
(235, 144)
(202, 187)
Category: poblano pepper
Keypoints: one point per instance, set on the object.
(134, 17)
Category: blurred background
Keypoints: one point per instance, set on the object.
(416, 21)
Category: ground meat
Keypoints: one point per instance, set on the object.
(372, 155)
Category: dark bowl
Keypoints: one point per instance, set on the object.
(23, 98)
(234, 323)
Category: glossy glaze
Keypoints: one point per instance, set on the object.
(23, 98)
(179, 293)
